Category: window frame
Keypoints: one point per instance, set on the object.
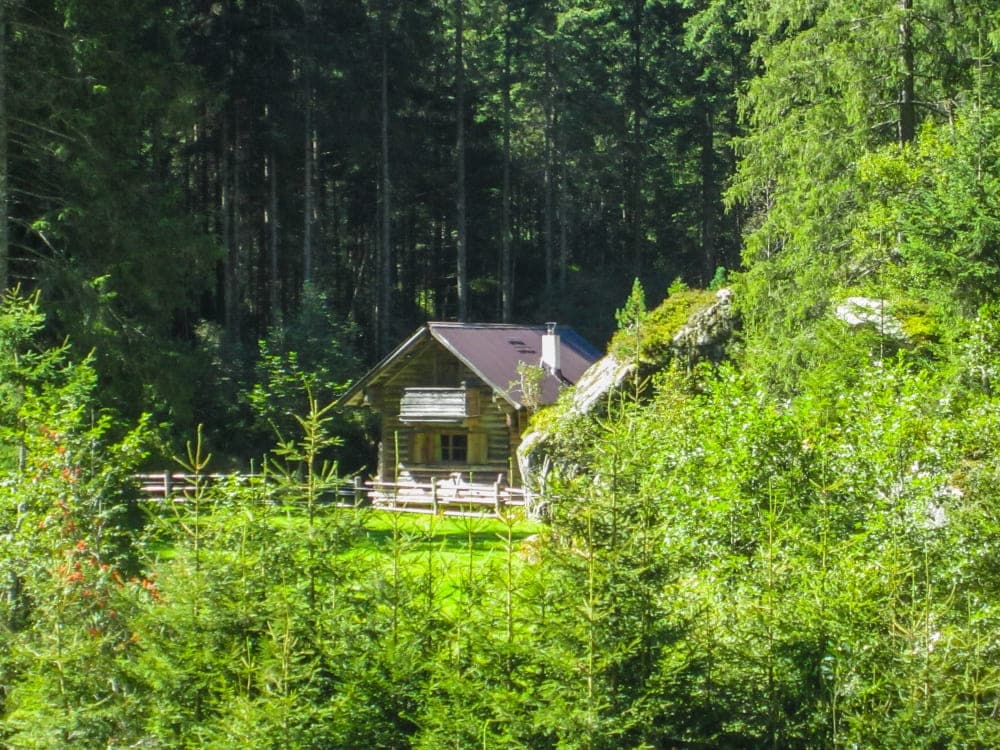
(453, 447)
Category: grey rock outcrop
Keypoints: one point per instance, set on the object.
(709, 327)
(867, 311)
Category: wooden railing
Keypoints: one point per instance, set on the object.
(446, 496)
(176, 486)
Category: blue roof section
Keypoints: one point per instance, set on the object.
(493, 351)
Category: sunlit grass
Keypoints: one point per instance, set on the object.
(448, 540)
(449, 554)
(446, 533)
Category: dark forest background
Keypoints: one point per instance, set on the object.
(213, 195)
(188, 179)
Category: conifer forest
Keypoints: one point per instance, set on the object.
(217, 214)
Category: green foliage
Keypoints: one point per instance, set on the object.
(924, 325)
(666, 320)
(726, 568)
(719, 279)
(677, 286)
(23, 366)
(767, 523)
(308, 360)
(99, 224)
(631, 316)
(979, 350)
(65, 608)
(796, 549)
(931, 217)
(529, 385)
(846, 185)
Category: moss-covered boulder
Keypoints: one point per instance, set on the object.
(690, 323)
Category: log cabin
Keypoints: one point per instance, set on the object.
(452, 399)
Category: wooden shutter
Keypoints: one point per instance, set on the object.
(423, 448)
(478, 447)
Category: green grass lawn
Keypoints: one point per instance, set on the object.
(448, 540)
(448, 550)
(450, 544)
(448, 560)
(446, 533)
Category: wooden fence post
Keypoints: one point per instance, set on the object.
(166, 484)
(359, 492)
(434, 496)
(497, 502)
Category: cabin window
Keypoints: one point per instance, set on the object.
(454, 448)
(431, 447)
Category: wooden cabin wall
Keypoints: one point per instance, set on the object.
(433, 366)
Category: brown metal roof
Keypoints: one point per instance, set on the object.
(493, 351)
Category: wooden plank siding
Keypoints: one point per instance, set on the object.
(439, 404)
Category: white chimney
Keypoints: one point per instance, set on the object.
(550, 350)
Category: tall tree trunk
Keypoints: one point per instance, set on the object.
(562, 209)
(229, 202)
(225, 223)
(4, 232)
(907, 113)
(309, 153)
(202, 154)
(547, 177)
(274, 316)
(274, 285)
(231, 224)
(635, 147)
(461, 249)
(548, 207)
(386, 276)
(709, 194)
(308, 193)
(506, 261)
